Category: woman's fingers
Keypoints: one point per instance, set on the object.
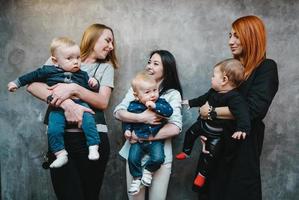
(53, 86)
(157, 120)
(150, 117)
(134, 136)
(56, 101)
(74, 113)
(61, 92)
(239, 135)
(204, 110)
(88, 110)
(132, 141)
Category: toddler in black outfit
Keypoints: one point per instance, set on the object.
(227, 76)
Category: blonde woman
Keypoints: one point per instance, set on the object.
(80, 178)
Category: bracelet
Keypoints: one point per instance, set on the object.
(49, 98)
(212, 114)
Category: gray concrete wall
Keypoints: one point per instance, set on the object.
(196, 31)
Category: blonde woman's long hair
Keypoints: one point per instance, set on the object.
(90, 37)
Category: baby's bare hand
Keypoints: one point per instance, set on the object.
(150, 104)
(92, 82)
(12, 87)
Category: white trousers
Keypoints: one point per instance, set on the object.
(158, 189)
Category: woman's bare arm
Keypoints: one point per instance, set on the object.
(39, 90)
(73, 112)
(100, 100)
(147, 117)
(167, 131)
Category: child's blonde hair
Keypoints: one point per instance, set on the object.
(141, 77)
(233, 69)
(60, 42)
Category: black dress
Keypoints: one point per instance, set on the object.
(238, 173)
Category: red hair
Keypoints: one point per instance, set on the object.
(252, 34)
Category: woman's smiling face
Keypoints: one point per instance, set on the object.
(104, 44)
(154, 67)
(235, 44)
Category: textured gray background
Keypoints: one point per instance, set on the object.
(196, 31)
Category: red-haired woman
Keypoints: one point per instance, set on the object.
(238, 173)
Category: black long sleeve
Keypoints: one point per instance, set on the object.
(38, 75)
(238, 107)
(201, 100)
(262, 89)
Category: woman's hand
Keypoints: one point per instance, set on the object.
(61, 92)
(239, 135)
(204, 111)
(133, 139)
(150, 117)
(128, 135)
(203, 140)
(74, 112)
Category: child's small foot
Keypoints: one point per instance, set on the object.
(182, 156)
(93, 152)
(199, 181)
(147, 177)
(135, 187)
(61, 159)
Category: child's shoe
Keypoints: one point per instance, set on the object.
(182, 156)
(93, 152)
(61, 159)
(147, 177)
(199, 181)
(135, 187)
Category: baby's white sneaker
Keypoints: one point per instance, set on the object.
(134, 187)
(147, 177)
(93, 152)
(61, 159)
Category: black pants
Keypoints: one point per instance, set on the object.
(80, 178)
(206, 161)
(237, 173)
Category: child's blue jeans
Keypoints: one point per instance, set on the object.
(57, 124)
(155, 150)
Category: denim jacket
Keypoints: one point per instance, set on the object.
(142, 130)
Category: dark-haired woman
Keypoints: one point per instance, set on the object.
(162, 66)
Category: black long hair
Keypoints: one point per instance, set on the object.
(170, 74)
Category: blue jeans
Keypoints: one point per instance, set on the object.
(155, 150)
(57, 124)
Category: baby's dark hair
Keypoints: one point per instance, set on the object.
(233, 69)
